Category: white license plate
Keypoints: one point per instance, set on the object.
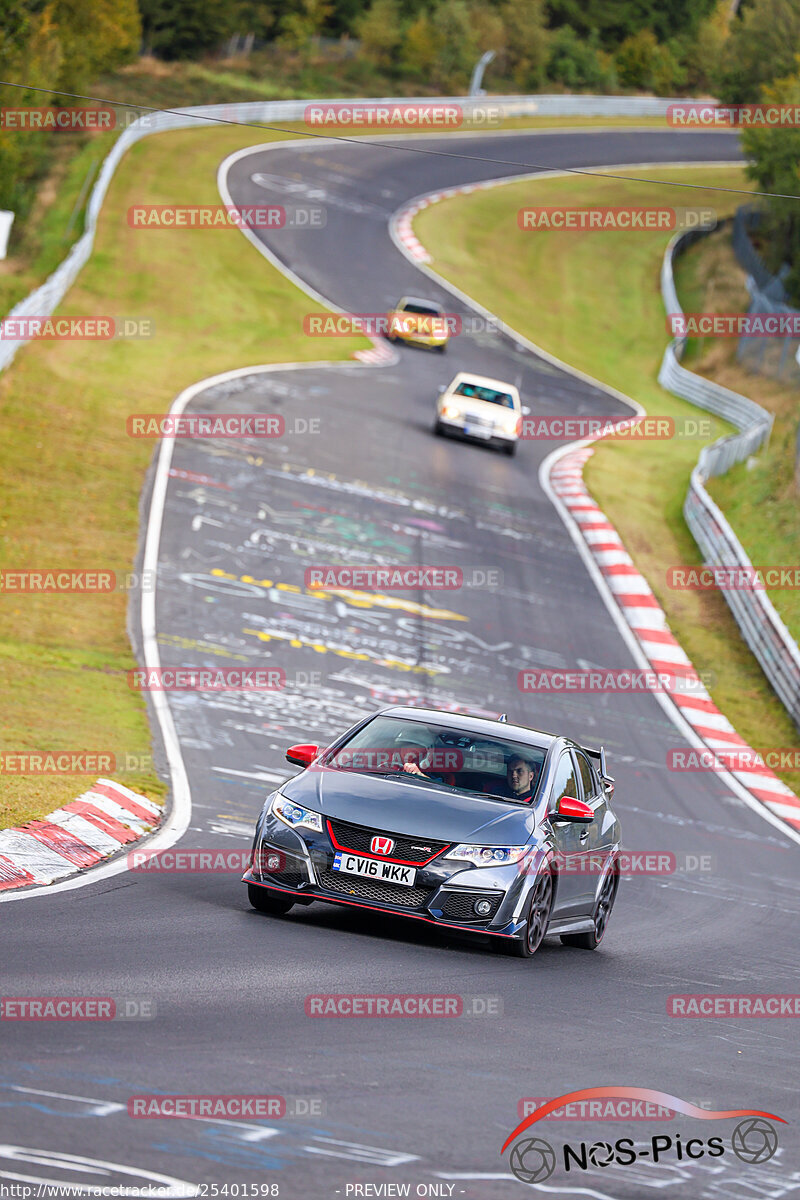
(384, 872)
(478, 431)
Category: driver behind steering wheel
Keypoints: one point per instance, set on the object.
(417, 752)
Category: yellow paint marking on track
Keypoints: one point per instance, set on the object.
(355, 598)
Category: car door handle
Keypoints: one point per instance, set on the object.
(584, 834)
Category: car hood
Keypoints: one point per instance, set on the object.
(399, 805)
(478, 408)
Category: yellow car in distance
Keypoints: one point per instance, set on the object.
(419, 323)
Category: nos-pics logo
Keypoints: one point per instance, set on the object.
(533, 1159)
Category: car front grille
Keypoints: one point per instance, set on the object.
(368, 889)
(410, 850)
(458, 906)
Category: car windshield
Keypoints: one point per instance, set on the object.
(452, 758)
(424, 310)
(475, 391)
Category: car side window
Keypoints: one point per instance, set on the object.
(565, 782)
(590, 788)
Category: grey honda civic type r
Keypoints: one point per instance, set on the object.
(472, 824)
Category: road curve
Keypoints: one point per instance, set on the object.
(425, 1102)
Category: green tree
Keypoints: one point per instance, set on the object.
(775, 166)
(251, 16)
(420, 48)
(613, 22)
(669, 73)
(703, 53)
(380, 31)
(95, 36)
(179, 29)
(30, 53)
(761, 48)
(458, 46)
(300, 27)
(527, 43)
(636, 59)
(579, 63)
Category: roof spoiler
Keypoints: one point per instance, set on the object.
(601, 756)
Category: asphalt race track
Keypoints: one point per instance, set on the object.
(423, 1102)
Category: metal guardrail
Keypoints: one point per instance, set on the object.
(761, 627)
(45, 299)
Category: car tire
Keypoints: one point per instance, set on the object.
(540, 906)
(442, 348)
(268, 902)
(600, 917)
(510, 449)
(439, 429)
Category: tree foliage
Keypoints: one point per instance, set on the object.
(775, 167)
(53, 46)
(762, 44)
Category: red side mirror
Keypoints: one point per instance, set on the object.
(569, 809)
(302, 756)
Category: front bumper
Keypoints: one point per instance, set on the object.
(443, 893)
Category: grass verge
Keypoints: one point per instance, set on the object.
(594, 301)
(72, 478)
(761, 500)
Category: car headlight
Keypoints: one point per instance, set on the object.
(295, 815)
(452, 411)
(487, 856)
(511, 423)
